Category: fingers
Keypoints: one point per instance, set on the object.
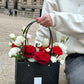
(43, 18)
(44, 21)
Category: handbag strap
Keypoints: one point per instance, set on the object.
(26, 31)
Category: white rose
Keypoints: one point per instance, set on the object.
(62, 61)
(45, 42)
(53, 59)
(12, 36)
(47, 49)
(28, 36)
(19, 40)
(13, 51)
(63, 47)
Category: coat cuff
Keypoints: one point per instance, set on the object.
(53, 19)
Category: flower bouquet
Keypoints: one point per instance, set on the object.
(41, 60)
(40, 53)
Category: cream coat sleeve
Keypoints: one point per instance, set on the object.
(43, 32)
(68, 23)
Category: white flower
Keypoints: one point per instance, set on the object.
(23, 28)
(53, 59)
(31, 60)
(13, 51)
(19, 40)
(63, 47)
(62, 38)
(10, 44)
(37, 49)
(62, 61)
(28, 36)
(12, 36)
(46, 42)
(47, 49)
(55, 44)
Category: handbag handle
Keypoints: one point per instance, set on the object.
(26, 31)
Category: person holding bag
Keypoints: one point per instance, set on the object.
(65, 18)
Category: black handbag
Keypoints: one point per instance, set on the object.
(34, 73)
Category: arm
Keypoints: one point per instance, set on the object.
(43, 32)
(68, 23)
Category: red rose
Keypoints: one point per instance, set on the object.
(13, 45)
(41, 48)
(30, 51)
(57, 50)
(42, 57)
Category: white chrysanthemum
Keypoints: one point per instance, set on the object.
(10, 44)
(56, 44)
(63, 47)
(12, 36)
(62, 61)
(46, 42)
(23, 28)
(13, 51)
(19, 40)
(47, 49)
(53, 59)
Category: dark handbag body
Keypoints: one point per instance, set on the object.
(27, 72)
(35, 73)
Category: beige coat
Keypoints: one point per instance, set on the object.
(68, 19)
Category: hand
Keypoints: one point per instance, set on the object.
(45, 21)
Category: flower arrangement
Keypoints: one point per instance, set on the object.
(40, 53)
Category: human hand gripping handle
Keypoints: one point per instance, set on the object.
(45, 20)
